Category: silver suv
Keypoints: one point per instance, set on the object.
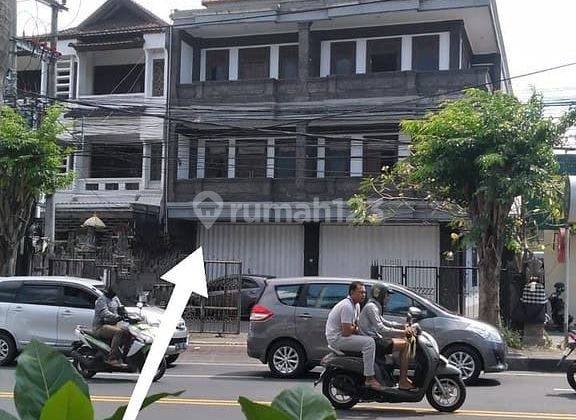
(50, 308)
(287, 327)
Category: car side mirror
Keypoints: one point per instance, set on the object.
(415, 313)
(140, 305)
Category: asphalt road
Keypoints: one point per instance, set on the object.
(213, 378)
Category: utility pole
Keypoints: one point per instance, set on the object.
(7, 50)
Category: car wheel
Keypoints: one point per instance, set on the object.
(467, 360)
(286, 359)
(172, 358)
(7, 349)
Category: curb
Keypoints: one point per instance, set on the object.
(527, 364)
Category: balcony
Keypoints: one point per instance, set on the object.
(376, 85)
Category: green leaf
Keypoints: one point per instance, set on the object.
(119, 414)
(4, 415)
(40, 373)
(69, 403)
(255, 411)
(302, 403)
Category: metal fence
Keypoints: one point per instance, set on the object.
(455, 288)
(220, 312)
(86, 268)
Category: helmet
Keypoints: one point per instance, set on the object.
(559, 287)
(379, 293)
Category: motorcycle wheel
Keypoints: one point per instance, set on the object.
(571, 375)
(455, 390)
(159, 373)
(82, 370)
(331, 388)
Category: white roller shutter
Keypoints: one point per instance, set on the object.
(275, 249)
(350, 250)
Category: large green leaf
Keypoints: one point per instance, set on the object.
(255, 411)
(69, 403)
(119, 414)
(40, 373)
(6, 416)
(302, 403)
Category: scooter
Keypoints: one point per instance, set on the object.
(435, 377)
(557, 305)
(90, 352)
(570, 347)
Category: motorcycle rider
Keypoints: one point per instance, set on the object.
(106, 318)
(389, 336)
(342, 332)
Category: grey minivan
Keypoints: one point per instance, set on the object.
(287, 327)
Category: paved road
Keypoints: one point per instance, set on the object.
(214, 378)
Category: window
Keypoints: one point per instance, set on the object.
(251, 158)
(311, 158)
(8, 290)
(384, 55)
(254, 63)
(285, 158)
(217, 65)
(119, 79)
(288, 66)
(325, 296)
(337, 158)
(39, 294)
(216, 160)
(398, 304)
(115, 161)
(249, 284)
(343, 58)
(288, 294)
(156, 162)
(379, 152)
(75, 297)
(193, 159)
(158, 77)
(426, 53)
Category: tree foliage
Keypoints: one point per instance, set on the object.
(30, 165)
(488, 160)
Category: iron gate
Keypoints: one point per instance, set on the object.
(220, 312)
(452, 287)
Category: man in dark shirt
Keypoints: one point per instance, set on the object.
(106, 317)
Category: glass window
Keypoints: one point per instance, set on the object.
(311, 161)
(116, 161)
(249, 284)
(254, 63)
(343, 58)
(251, 158)
(8, 290)
(127, 78)
(156, 162)
(75, 297)
(288, 294)
(325, 296)
(379, 152)
(288, 66)
(193, 159)
(158, 77)
(39, 294)
(426, 53)
(216, 159)
(398, 304)
(217, 66)
(337, 158)
(384, 55)
(285, 158)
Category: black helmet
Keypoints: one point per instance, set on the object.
(379, 292)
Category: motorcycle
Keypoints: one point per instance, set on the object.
(90, 353)
(435, 377)
(570, 347)
(557, 305)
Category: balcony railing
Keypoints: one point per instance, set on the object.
(390, 84)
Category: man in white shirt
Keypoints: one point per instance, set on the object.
(342, 331)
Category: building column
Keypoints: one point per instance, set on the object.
(311, 248)
(406, 61)
(232, 158)
(304, 43)
(233, 64)
(356, 157)
(403, 146)
(301, 151)
(146, 164)
(183, 157)
(270, 157)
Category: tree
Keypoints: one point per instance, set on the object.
(30, 165)
(476, 157)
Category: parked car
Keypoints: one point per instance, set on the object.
(287, 327)
(223, 291)
(50, 308)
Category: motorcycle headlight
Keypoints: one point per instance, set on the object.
(181, 326)
(487, 333)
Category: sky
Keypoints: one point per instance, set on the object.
(537, 35)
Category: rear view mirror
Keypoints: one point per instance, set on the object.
(415, 313)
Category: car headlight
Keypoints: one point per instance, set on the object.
(487, 333)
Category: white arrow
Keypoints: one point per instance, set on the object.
(188, 277)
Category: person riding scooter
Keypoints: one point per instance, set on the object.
(389, 336)
(106, 318)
